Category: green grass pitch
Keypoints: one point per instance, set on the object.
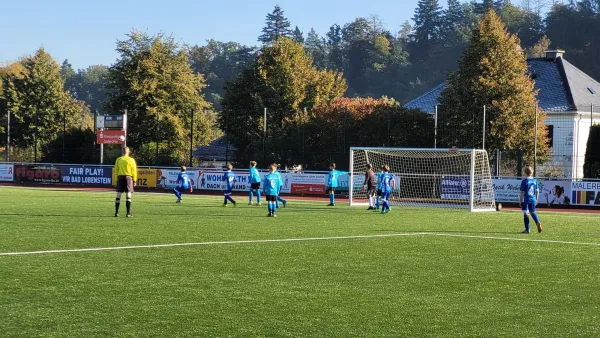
(434, 272)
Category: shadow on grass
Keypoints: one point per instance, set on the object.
(46, 215)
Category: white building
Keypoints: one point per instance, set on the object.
(571, 100)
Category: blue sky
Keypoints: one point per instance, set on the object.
(85, 31)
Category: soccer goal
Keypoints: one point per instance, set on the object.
(443, 178)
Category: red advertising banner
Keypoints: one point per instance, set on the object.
(110, 136)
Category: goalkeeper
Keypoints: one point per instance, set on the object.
(370, 186)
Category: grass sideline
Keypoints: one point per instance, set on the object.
(446, 273)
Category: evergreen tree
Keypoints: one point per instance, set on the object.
(154, 81)
(492, 72)
(277, 25)
(591, 165)
(298, 37)
(69, 77)
(455, 30)
(315, 46)
(335, 52)
(426, 30)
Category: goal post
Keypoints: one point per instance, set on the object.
(440, 178)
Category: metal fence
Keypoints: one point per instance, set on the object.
(312, 146)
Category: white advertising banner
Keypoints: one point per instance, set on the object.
(168, 178)
(7, 172)
(551, 192)
(585, 193)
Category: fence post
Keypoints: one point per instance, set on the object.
(303, 124)
(192, 140)
(589, 151)
(483, 146)
(497, 160)
(435, 122)
(8, 137)
(520, 163)
(265, 137)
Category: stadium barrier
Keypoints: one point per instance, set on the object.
(506, 189)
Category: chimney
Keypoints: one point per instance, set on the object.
(554, 54)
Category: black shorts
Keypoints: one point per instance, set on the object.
(331, 190)
(371, 191)
(271, 198)
(124, 184)
(254, 186)
(379, 192)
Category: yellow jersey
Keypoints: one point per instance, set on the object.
(125, 166)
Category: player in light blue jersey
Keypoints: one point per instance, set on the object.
(379, 179)
(230, 180)
(183, 183)
(254, 183)
(332, 183)
(528, 200)
(279, 198)
(387, 185)
(271, 186)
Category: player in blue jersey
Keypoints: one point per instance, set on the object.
(230, 180)
(183, 183)
(529, 198)
(271, 186)
(279, 198)
(332, 183)
(387, 185)
(254, 183)
(379, 179)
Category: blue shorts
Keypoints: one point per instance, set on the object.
(528, 206)
(181, 189)
(385, 195)
(228, 192)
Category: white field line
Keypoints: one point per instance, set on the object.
(282, 240)
(514, 239)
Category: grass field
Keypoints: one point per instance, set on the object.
(412, 272)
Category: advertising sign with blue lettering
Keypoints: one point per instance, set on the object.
(167, 178)
(86, 175)
(455, 187)
(212, 180)
(585, 193)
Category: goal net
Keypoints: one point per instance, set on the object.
(444, 178)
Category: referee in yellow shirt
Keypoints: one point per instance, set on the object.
(126, 171)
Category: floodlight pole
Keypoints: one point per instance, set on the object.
(435, 122)
(535, 137)
(64, 133)
(265, 137)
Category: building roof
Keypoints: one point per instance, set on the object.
(217, 150)
(561, 87)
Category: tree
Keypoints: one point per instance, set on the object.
(335, 50)
(426, 30)
(298, 37)
(277, 25)
(315, 46)
(38, 102)
(91, 87)
(492, 72)
(454, 31)
(219, 62)
(284, 80)
(591, 165)
(154, 82)
(68, 75)
(347, 122)
(540, 48)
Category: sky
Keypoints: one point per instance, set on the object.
(85, 31)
